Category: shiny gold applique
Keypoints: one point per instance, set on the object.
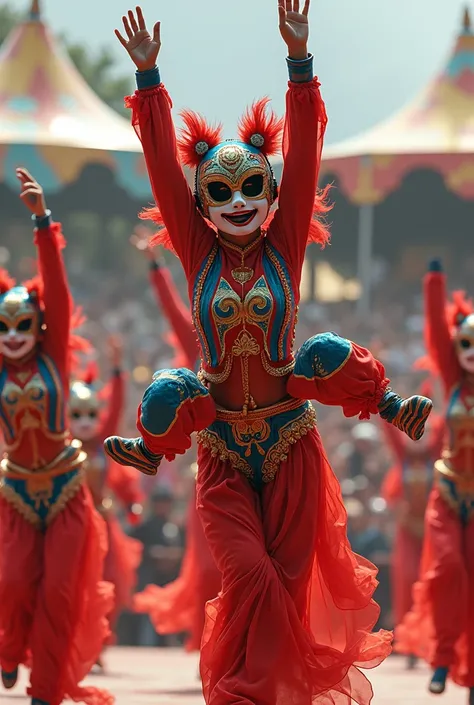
(242, 275)
(197, 305)
(23, 509)
(245, 344)
(277, 371)
(288, 436)
(249, 433)
(289, 303)
(68, 492)
(218, 448)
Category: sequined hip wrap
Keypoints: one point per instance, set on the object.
(456, 488)
(257, 443)
(40, 495)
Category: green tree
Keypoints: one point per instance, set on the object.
(96, 68)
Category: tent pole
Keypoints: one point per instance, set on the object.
(364, 256)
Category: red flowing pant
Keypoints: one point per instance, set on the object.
(440, 627)
(262, 645)
(406, 561)
(53, 605)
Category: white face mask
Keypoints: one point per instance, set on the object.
(466, 359)
(84, 425)
(15, 345)
(465, 344)
(241, 216)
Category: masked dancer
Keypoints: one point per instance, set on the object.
(406, 489)
(53, 603)
(95, 413)
(440, 628)
(270, 505)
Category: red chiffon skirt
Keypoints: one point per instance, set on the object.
(440, 626)
(406, 561)
(120, 567)
(53, 603)
(293, 623)
(180, 606)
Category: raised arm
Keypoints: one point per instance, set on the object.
(168, 297)
(56, 295)
(116, 401)
(189, 233)
(305, 125)
(437, 333)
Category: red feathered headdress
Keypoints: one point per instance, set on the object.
(259, 128)
(458, 309)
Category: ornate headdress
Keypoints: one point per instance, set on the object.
(232, 162)
(20, 305)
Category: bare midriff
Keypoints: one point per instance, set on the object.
(265, 389)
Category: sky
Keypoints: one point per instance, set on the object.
(372, 56)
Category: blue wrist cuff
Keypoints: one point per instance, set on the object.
(148, 79)
(300, 71)
(43, 222)
(435, 266)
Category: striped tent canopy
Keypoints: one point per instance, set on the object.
(435, 132)
(51, 121)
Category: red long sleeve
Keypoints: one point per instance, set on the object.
(176, 312)
(116, 404)
(302, 146)
(190, 235)
(437, 333)
(56, 297)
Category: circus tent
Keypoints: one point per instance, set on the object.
(53, 122)
(435, 133)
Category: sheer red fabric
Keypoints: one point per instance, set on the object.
(180, 606)
(440, 626)
(293, 623)
(120, 567)
(53, 600)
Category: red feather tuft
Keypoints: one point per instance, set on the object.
(161, 237)
(257, 121)
(458, 309)
(318, 230)
(196, 130)
(35, 288)
(6, 281)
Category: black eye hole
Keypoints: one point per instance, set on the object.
(92, 414)
(76, 415)
(25, 325)
(465, 343)
(3, 327)
(253, 186)
(219, 191)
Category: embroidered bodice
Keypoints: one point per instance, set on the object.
(32, 412)
(244, 306)
(459, 455)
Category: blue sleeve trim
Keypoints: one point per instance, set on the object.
(300, 71)
(43, 222)
(148, 79)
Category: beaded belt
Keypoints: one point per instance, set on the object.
(40, 495)
(258, 442)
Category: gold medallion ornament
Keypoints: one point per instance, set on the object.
(242, 274)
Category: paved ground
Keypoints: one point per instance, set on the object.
(157, 676)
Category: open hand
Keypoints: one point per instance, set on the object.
(31, 193)
(142, 47)
(294, 27)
